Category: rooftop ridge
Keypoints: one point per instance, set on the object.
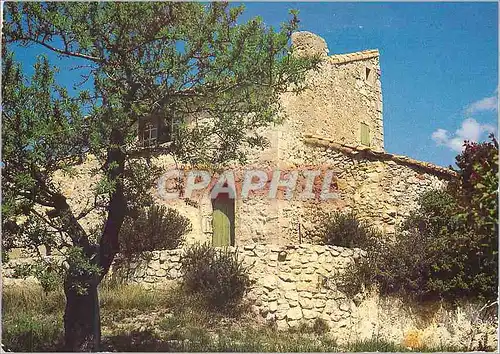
(349, 57)
(381, 155)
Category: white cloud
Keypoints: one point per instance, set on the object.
(470, 130)
(485, 104)
(440, 136)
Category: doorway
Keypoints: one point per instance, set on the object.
(223, 221)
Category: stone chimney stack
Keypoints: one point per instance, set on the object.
(308, 44)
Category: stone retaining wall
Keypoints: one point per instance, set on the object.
(299, 284)
(290, 282)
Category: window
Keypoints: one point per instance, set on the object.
(149, 134)
(365, 134)
(155, 130)
(368, 71)
(370, 76)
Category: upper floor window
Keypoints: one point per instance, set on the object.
(149, 134)
(154, 131)
(370, 75)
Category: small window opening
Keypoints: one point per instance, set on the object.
(370, 75)
(367, 73)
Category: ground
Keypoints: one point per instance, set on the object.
(135, 319)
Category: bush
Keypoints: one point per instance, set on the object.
(345, 230)
(216, 275)
(155, 228)
(477, 188)
(435, 255)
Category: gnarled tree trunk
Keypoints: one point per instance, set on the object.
(82, 325)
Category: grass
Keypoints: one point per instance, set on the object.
(31, 319)
(117, 297)
(135, 319)
(377, 345)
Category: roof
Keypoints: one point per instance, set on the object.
(345, 58)
(366, 152)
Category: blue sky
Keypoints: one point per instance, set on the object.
(439, 64)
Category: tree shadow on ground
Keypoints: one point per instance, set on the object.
(137, 341)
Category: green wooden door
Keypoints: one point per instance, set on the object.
(223, 221)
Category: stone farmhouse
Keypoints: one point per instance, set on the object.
(336, 123)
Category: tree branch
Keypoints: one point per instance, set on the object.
(60, 51)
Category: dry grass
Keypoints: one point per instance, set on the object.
(32, 300)
(118, 297)
(135, 319)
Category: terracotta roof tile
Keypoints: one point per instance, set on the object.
(364, 151)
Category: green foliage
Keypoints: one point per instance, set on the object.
(477, 187)
(48, 273)
(345, 230)
(216, 275)
(476, 192)
(180, 58)
(435, 255)
(152, 229)
(81, 270)
(25, 333)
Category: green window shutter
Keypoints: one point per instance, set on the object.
(365, 134)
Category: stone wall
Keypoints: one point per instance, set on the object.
(381, 191)
(296, 285)
(289, 281)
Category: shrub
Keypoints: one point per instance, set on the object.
(477, 188)
(216, 275)
(49, 274)
(435, 255)
(346, 230)
(152, 229)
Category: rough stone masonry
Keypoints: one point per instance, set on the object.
(299, 284)
(335, 123)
